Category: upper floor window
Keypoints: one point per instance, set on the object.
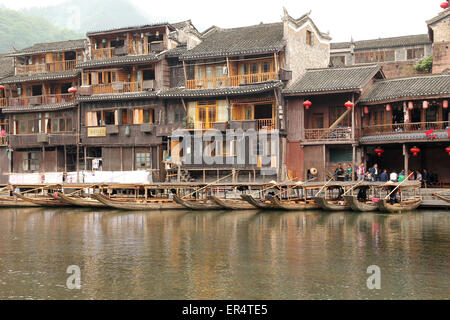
(337, 61)
(375, 56)
(143, 160)
(309, 38)
(416, 53)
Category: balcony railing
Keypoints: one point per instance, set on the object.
(116, 87)
(3, 102)
(261, 124)
(47, 67)
(232, 81)
(326, 134)
(265, 124)
(405, 128)
(39, 100)
(106, 53)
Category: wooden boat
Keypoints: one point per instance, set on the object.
(197, 204)
(331, 205)
(133, 205)
(81, 202)
(294, 205)
(408, 205)
(442, 197)
(360, 206)
(43, 201)
(259, 204)
(14, 202)
(232, 204)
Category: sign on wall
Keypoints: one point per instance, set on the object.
(97, 132)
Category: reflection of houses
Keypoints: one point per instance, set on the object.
(233, 80)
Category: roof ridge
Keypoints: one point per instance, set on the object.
(361, 65)
(414, 77)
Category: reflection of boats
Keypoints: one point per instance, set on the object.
(360, 206)
(136, 205)
(43, 201)
(260, 204)
(81, 202)
(197, 204)
(293, 205)
(331, 205)
(232, 204)
(14, 202)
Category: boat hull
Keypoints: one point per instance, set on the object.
(359, 206)
(197, 205)
(43, 202)
(79, 202)
(385, 206)
(329, 206)
(258, 203)
(232, 204)
(12, 202)
(136, 206)
(294, 206)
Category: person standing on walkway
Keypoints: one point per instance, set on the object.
(384, 176)
(361, 171)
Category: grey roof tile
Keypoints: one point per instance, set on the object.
(6, 66)
(52, 47)
(403, 41)
(42, 77)
(118, 96)
(262, 38)
(440, 16)
(334, 79)
(130, 59)
(413, 87)
(39, 108)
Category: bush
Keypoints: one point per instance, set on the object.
(425, 65)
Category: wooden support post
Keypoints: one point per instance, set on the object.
(121, 158)
(65, 158)
(85, 158)
(78, 163)
(43, 159)
(353, 117)
(354, 163)
(185, 73)
(406, 158)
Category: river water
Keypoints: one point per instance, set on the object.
(223, 255)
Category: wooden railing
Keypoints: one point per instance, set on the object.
(265, 124)
(232, 81)
(3, 102)
(326, 134)
(116, 87)
(39, 100)
(261, 124)
(405, 127)
(47, 67)
(104, 53)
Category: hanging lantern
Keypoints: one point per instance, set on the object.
(307, 104)
(349, 105)
(72, 90)
(425, 105)
(447, 150)
(445, 104)
(379, 151)
(444, 5)
(2, 87)
(415, 151)
(411, 105)
(366, 110)
(388, 108)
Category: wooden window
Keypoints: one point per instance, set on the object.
(338, 61)
(416, 53)
(143, 160)
(309, 38)
(31, 161)
(27, 124)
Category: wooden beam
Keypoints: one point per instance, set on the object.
(184, 104)
(185, 73)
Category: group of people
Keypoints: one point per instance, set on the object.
(375, 174)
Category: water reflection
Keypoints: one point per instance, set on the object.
(222, 255)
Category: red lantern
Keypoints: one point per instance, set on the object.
(444, 5)
(411, 105)
(445, 104)
(379, 151)
(415, 151)
(388, 108)
(366, 110)
(2, 87)
(425, 105)
(447, 150)
(72, 90)
(349, 105)
(307, 104)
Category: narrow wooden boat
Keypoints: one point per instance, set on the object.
(42, 201)
(81, 202)
(294, 205)
(13, 202)
(232, 204)
(197, 204)
(360, 206)
(442, 197)
(133, 205)
(404, 206)
(331, 205)
(263, 205)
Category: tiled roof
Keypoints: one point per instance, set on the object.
(439, 17)
(6, 66)
(40, 108)
(41, 77)
(175, 52)
(334, 79)
(127, 29)
(413, 87)
(404, 41)
(399, 137)
(262, 38)
(220, 92)
(52, 47)
(134, 59)
(118, 96)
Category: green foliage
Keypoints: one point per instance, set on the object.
(21, 31)
(425, 65)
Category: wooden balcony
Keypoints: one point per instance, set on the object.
(3, 102)
(40, 100)
(47, 67)
(116, 87)
(257, 124)
(38, 139)
(326, 134)
(106, 53)
(405, 128)
(231, 81)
